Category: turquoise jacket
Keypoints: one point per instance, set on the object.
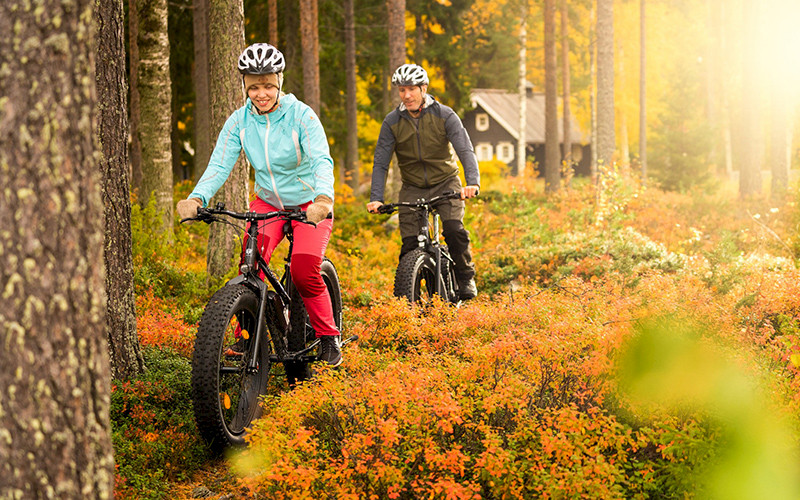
(287, 148)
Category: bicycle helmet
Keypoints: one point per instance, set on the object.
(410, 74)
(261, 59)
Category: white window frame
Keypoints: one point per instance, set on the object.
(483, 150)
(505, 151)
(481, 122)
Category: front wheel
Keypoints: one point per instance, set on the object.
(302, 334)
(224, 392)
(416, 276)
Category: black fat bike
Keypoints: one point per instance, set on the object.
(265, 319)
(428, 269)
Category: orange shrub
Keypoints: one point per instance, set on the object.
(159, 325)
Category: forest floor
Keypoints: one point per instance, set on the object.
(558, 380)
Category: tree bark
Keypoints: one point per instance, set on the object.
(54, 382)
(155, 103)
(396, 10)
(309, 36)
(566, 87)
(396, 24)
(272, 8)
(605, 83)
(351, 164)
(552, 157)
(226, 41)
(134, 108)
(203, 136)
(112, 120)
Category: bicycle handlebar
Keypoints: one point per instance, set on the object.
(420, 203)
(207, 215)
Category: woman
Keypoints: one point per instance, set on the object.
(287, 147)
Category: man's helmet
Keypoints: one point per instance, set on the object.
(261, 59)
(410, 74)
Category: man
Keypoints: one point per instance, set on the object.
(424, 133)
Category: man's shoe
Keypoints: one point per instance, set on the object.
(329, 350)
(467, 289)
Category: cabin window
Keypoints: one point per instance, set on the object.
(483, 151)
(505, 152)
(482, 122)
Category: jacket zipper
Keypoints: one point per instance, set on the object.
(269, 166)
(419, 146)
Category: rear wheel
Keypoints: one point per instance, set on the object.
(224, 393)
(416, 277)
(302, 334)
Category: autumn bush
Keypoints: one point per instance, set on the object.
(566, 378)
(153, 431)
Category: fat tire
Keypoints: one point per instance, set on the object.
(301, 333)
(415, 278)
(220, 427)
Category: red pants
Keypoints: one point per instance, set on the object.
(307, 253)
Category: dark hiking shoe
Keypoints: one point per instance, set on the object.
(237, 349)
(329, 350)
(467, 289)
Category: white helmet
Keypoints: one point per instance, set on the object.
(261, 59)
(410, 74)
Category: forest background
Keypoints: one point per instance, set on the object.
(615, 291)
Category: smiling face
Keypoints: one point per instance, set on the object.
(262, 90)
(412, 96)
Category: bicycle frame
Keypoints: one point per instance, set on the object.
(428, 237)
(252, 263)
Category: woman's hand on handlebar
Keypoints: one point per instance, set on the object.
(187, 209)
(373, 206)
(469, 192)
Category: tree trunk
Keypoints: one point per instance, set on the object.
(642, 96)
(54, 382)
(522, 139)
(396, 23)
(397, 36)
(565, 75)
(552, 158)
(203, 136)
(112, 121)
(593, 92)
(352, 164)
(155, 96)
(272, 8)
(750, 166)
(226, 41)
(605, 83)
(134, 109)
(309, 36)
(780, 143)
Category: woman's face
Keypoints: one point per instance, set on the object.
(262, 90)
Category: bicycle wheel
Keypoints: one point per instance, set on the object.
(415, 278)
(224, 394)
(302, 334)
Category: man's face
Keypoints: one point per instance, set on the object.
(412, 96)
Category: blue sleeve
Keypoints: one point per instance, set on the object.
(314, 144)
(222, 160)
(458, 137)
(380, 163)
